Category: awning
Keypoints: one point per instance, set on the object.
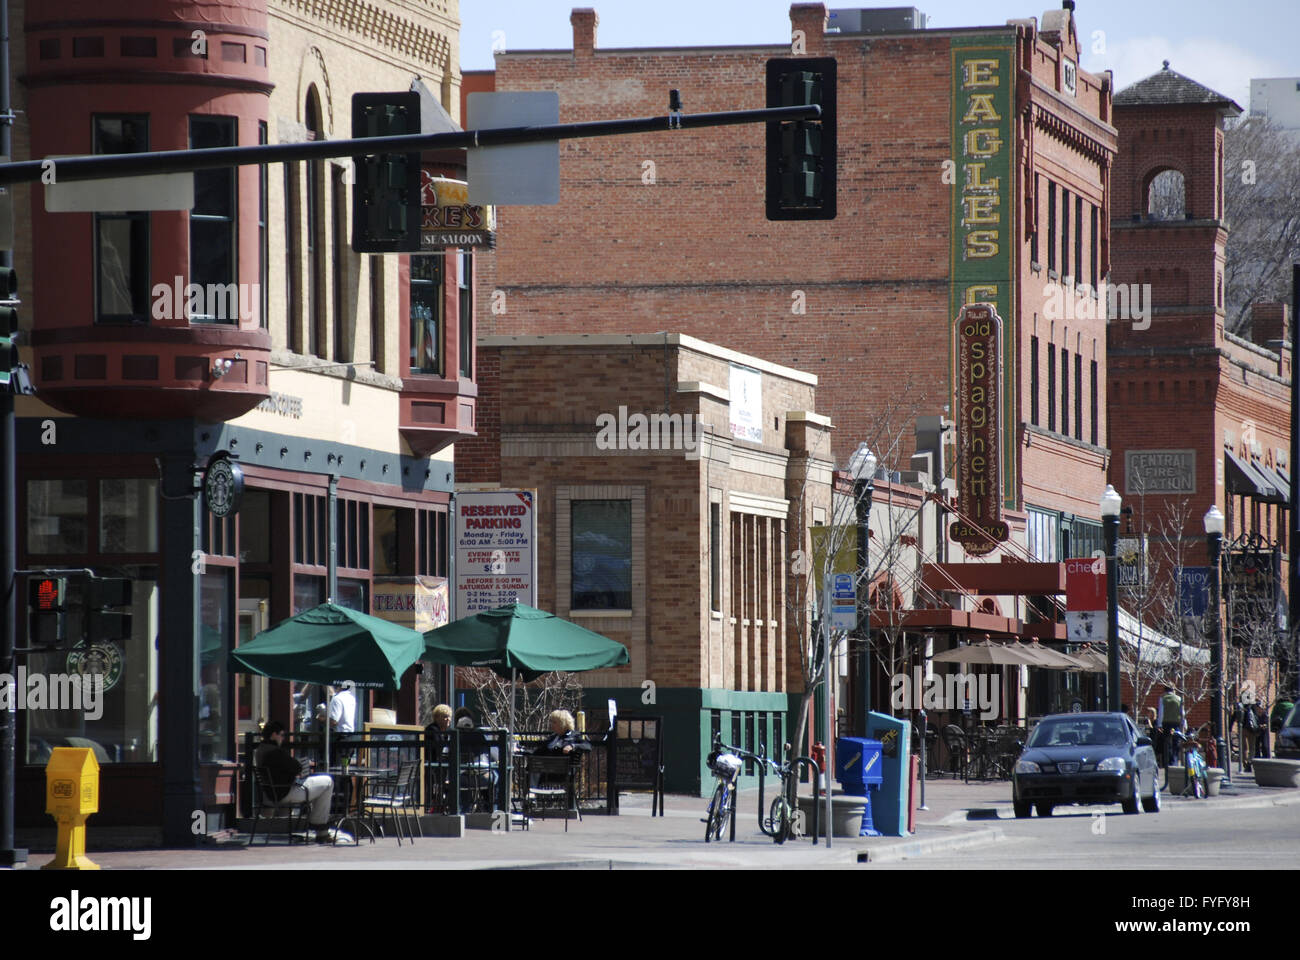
(1154, 647)
(1273, 477)
(1245, 480)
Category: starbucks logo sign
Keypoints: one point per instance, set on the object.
(223, 485)
(104, 659)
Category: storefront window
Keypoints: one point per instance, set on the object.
(56, 516)
(128, 516)
(216, 631)
(354, 594)
(308, 592)
(116, 717)
(602, 554)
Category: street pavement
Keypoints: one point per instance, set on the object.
(960, 818)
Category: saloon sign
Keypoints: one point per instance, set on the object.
(449, 219)
(979, 491)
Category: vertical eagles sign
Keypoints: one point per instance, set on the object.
(979, 477)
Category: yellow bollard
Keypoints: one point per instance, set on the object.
(71, 795)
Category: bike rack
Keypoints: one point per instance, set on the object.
(808, 763)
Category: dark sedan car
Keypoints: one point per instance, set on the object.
(1086, 758)
(1287, 746)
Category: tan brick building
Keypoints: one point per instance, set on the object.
(674, 479)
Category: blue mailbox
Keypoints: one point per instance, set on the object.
(891, 802)
(859, 771)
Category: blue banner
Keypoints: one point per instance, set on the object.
(1194, 591)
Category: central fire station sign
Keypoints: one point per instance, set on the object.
(979, 477)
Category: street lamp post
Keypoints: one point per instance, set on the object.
(1214, 525)
(1110, 506)
(862, 464)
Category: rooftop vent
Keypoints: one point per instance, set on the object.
(876, 20)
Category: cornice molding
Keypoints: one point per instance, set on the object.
(403, 35)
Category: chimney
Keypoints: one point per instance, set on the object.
(1268, 324)
(584, 22)
(810, 18)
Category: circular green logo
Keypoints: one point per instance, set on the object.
(103, 658)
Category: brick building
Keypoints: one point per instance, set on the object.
(1198, 416)
(673, 479)
(974, 165)
(337, 381)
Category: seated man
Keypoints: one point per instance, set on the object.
(284, 773)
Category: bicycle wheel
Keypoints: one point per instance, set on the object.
(713, 823)
(781, 821)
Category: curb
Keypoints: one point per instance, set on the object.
(920, 848)
(1282, 799)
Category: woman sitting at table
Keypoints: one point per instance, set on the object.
(442, 717)
(563, 740)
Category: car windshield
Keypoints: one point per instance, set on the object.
(1090, 733)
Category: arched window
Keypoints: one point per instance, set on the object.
(313, 294)
(1167, 196)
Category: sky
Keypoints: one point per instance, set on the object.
(1219, 44)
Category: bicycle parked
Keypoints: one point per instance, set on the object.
(783, 822)
(725, 765)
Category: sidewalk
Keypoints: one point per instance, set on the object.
(959, 816)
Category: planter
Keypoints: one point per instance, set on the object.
(1177, 780)
(1276, 773)
(1214, 781)
(846, 815)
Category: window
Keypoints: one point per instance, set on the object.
(426, 315)
(1094, 403)
(315, 234)
(51, 49)
(1065, 233)
(1096, 280)
(1065, 392)
(342, 343)
(88, 47)
(1051, 386)
(432, 549)
(1033, 237)
(1051, 225)
(128, 516)
(1078, 239)
(212, 227)
(715, 557)
(121, 239)
(601, 539)
(138, 46)
(234, 52)
(1042, 528)
(263, 234)
(56, 516)
(291, 260)
(183, 47)
(377, 312)
(1078, 396)
(1069, 77)
(466, 292)
(1033, 380)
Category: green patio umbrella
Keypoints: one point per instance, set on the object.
(521, 641)
(333, 645)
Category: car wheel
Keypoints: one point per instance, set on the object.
(1151, 804)
(1021, 807)
(1132, 805)
(1044, 808)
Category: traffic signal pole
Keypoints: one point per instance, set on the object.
(186, 161)
(9, 854)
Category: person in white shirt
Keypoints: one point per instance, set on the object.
(343, 710)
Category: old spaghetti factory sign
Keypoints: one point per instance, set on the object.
(979, 493)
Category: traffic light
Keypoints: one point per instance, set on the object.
(103, 620)
(8, 325)
(47, 600)
(386, 214)
(801, 153)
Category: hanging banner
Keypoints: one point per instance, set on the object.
(1085, 600)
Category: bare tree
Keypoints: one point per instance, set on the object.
(840, 533)
(533, 701)
(1261, 166)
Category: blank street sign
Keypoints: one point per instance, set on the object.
(525, 174)
(164, 191)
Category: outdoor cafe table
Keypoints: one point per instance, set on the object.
(356, 780)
